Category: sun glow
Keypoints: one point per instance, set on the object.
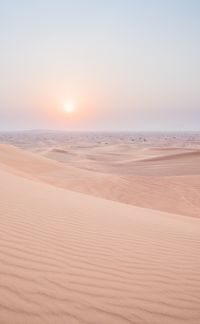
(69, 107)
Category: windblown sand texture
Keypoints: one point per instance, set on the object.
(100, 228)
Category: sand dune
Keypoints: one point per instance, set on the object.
(70, 258)
(175, 188)
(184, 155)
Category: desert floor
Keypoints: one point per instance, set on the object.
(99, 228)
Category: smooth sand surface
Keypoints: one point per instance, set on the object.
(69, 257)
(165, 178)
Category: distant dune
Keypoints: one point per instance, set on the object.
(171, 157)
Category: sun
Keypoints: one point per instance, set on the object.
(69, 107)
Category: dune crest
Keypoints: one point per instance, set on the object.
(175, 190)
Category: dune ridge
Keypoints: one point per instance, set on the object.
(179, 193)
(189, 155)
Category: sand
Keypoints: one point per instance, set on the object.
(162, 172)
(68, 255)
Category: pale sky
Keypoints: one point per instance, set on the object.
(122, 64)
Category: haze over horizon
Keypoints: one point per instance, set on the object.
(125, 65)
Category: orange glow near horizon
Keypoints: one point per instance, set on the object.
(70, 112)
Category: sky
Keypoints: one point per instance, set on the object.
(120, 64)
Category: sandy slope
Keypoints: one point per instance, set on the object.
(163, 179)
(70, 258)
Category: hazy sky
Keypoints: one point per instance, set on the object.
(125, 64)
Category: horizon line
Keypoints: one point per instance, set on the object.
(99, 131)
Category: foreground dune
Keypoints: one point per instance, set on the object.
(70, 258)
